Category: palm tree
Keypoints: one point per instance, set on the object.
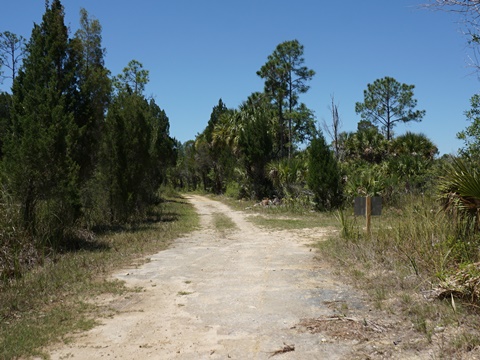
(415, 145)
(247, 132)
(460, 193)
(366, 144)
(288, 175)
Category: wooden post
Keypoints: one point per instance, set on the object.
(368, 212)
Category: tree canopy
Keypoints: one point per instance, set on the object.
(286, 77)
(387, 102)
(471, 135)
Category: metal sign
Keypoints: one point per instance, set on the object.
(360, 206)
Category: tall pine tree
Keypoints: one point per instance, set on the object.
(94, 93)
(41, 172)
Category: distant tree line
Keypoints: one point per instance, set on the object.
(271, 147)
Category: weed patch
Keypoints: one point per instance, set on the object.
(223, 223)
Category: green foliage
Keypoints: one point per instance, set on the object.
(418, 145)
(135, 150)
(133, 78)
(185, 175)
(324, 177)
(5, 117)
(387, 102)
(289, 176)
(367, 180)
(285, 79)
(217, 111)
(246, 135)
(373, 165)
(367, 144)
(460, 194)
(233, 190)
(94, 93)
(220, 155)
(213, 154)
(471, 135)
(40, 169)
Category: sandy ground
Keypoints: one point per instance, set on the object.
(248, 293)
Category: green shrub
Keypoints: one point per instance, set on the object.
(324, 178)
(233, 190)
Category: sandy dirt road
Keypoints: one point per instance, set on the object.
(241, 294)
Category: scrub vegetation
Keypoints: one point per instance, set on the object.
(89, 177)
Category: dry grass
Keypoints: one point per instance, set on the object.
(53, 300)
(410, 252)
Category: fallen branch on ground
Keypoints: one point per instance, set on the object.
(286, 348)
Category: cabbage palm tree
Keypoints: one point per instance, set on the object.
(460, 193)
(288, 175)
(247, 132)
(415, 145)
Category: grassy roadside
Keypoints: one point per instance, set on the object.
(282, 217)
(401, 266)
(53, 300)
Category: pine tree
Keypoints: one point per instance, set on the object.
(40, 170)
(94, 93)
(388, 102)
(5, 118)
(135, 149)
(324, 177)
(286, 78)
(125, 154)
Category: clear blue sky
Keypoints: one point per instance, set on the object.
(200, 51)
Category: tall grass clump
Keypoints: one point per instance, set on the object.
(410, 248)
(409, 257)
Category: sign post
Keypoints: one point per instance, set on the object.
(368, 206)
(368, 212)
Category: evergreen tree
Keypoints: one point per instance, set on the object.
(219, 155)
(324, 177)
(94, 93)
(133, 78)
(387, 102)
(162, 150)
(40, 169)
(12, 49)
(217, 111)
(256, 143)
(471, 135)
(245, 135)
(214, 158)
(136, 150)
(185, 173)
(125, 155)
(285, 79)
(5, 118)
